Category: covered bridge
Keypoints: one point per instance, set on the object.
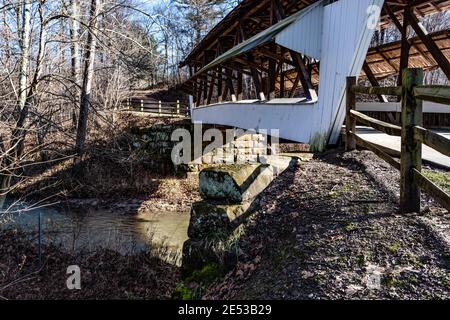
(283, 64)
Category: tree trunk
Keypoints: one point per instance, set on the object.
(74, 38)
(88, 76)
(75, 53)
(12, 158)
(12, 155)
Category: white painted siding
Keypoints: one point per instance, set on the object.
(344, 42)
(346, 39)
(285, 117)
(304, 35)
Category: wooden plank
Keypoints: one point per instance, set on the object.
(432, 189)
(350, 122)
(389, 91)
(438, 94)
(433, 140)
(305, 80)
(380, 153)
(411, 150)
(428, 107)
(385, 127)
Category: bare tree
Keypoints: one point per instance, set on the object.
(88, 76)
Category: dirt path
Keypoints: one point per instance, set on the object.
(329, 229)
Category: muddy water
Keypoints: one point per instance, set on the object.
(107, 229)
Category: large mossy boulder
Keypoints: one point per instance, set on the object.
(234, 183)
(209, 220)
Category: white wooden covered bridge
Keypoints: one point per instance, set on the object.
(278, 64)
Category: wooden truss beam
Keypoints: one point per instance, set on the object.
(437, 54)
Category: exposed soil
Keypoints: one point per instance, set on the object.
(330, 229)
(104, 274)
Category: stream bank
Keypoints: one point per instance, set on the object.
(105, 274)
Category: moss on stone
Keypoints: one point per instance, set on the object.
(229, 182)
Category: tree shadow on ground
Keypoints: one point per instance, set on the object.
(320, 228)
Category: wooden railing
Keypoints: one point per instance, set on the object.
(157, 107)
(412, 134)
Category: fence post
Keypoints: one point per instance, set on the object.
(142, 105)
(411, 155)
(178, 107)
(159, 107)
(350, 122)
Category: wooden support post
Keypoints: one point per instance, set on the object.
(205, 90)
(230, 85)
(199, 94)
(211, 88)
(271, 83)
(350, 122)
(295, 84)
(308, 88)
(240, 88)
(405, 49)
(411, 153)
(160, 107)
(142, 105)
(178, 107)
(256, 79)
(195, 88)
(282, 84)
(373, 81)
(219, 85)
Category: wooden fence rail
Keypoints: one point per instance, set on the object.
(412, 133)
(156, 107)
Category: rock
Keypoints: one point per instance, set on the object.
(197, 254)
(234, 183)
(209, 219)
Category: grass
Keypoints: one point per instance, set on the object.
(194, 286)
(350, 227)
(394, 248)
(442, 179)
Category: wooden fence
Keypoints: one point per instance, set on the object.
(411, 131)
(173, 109)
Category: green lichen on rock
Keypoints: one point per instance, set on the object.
(206, 220)
(210, 220)
(229, 182)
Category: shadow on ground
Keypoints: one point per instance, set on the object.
(330, 230)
